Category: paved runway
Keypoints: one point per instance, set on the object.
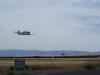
(96, 72)
(58, 72)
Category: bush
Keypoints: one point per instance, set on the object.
(10, 73)
(11, 68)
(89, 67)
(27, 67)
(24, 73)
(34, 67)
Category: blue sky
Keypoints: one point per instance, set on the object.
(59, 24)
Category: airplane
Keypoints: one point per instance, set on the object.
(23, 33)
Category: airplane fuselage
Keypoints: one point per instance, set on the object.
(23, 33)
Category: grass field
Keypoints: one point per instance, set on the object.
(63, 62)
(51, 63)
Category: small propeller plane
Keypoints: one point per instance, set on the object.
(23, 33)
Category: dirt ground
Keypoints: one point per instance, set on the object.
(55, 72)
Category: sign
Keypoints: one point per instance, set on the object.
(19, 64)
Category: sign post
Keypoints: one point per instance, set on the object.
(19, 64)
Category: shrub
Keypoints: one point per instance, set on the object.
(89, 67)
(34, 67)
(11, 68)
(10, 73)
(24, 73)
(27, 67)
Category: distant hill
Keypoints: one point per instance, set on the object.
(14, 52)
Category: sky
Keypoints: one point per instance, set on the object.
(58, 24)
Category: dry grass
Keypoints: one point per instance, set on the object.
(63, 62)
(47, 63)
